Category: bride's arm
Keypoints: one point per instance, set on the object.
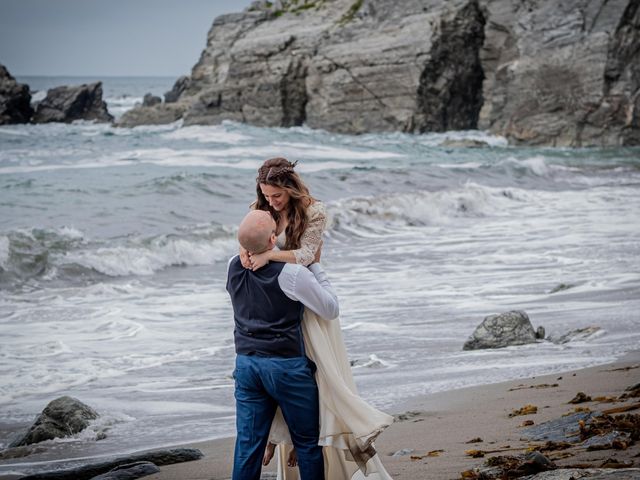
(309, 243)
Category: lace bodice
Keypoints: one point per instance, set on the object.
(312, 236)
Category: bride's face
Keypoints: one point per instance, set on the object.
(277, 197)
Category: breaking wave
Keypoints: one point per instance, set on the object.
(47, 254)
(381, 214)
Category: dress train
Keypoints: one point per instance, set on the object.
(348, 424)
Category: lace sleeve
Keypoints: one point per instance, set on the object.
(312, 236)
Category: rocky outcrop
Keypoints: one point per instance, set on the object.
(563, 73)
(539, 72)
(154, 115)
(502, 330)
(62, 417)
(68, 103)
(15, 100)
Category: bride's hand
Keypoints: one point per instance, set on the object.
(244, 258)
(259, 260)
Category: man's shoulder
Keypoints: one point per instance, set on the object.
(233, 261)
(296, 270)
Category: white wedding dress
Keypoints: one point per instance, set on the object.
(348, 424)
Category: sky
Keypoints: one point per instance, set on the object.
(106, 37)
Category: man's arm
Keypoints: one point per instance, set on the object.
(311, 287)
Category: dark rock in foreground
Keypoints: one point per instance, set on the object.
(502, 330)
(66, 104)
(87, 472)
(589, 473)
(15, 100)
(130, 471)
(62, 417)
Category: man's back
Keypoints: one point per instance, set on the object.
(267, 321)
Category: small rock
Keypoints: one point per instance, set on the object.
(580, 397)
(464, 143)
(401, 417)
(502, 330)
(151, 100)
(62, 417)
(560, 288)
(403, 452)
(581, 334)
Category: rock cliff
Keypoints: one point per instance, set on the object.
(15, 99)
(540, 72)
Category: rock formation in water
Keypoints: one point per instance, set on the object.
(61, 418)
(66, 104)
(539, 72)
(15, 100)
(502, 330)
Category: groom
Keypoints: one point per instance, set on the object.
(271, 367)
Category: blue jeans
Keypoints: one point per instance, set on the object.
(263, 384)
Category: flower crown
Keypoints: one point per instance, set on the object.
(266, 174)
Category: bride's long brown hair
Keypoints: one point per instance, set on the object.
(279, 172)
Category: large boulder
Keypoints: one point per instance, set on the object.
(539, 72)
(62, 417)
(502, 330)
(15, 100)
(66, 104)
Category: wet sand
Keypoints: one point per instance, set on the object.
(444, 423)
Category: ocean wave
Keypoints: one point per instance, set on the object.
(119, 105)
(66, 253)
(379, 214)
(28, 253)
(147, 256)
(207, 134)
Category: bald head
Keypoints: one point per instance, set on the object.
(255, 231)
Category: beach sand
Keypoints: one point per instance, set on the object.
(447, 421)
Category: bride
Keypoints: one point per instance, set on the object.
(348, 425)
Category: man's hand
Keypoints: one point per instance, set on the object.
(318, 254)
(244, 258)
